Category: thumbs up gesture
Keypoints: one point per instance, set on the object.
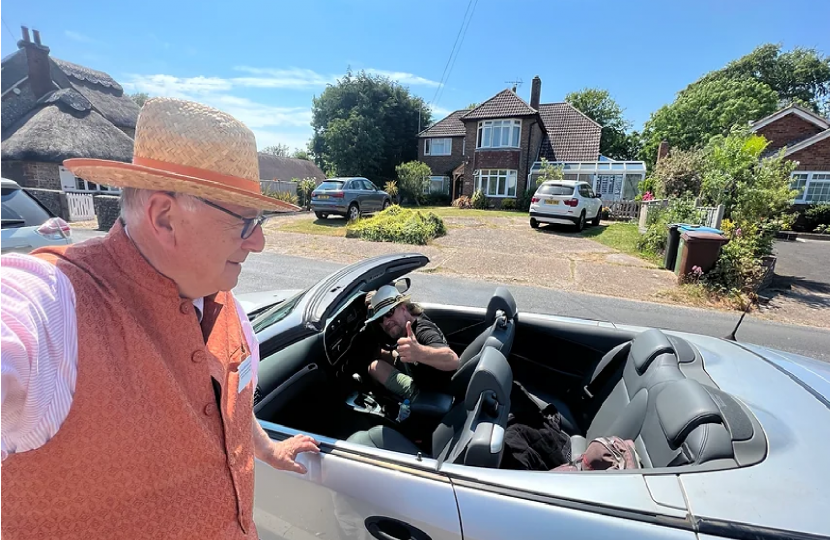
(408, 347)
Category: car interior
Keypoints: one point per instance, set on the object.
(649, 387)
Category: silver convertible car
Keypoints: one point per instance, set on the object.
(730, 436)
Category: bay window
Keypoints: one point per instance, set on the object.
(437, 147)
(496, 182)
(499, 134)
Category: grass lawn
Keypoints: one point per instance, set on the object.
(622, 237)
(326, 227)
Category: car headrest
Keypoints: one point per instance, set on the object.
(502, 301)
(492, 374)
(647, 346)
(682, 406)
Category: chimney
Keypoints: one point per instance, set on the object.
(662, 150)
(37, 57)
(535, 92)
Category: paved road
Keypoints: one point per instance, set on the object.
(805, 263)
(266, 271)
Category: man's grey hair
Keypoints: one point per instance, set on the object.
(133, 201)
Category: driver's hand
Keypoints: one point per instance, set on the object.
(409, 350)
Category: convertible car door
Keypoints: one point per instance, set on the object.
(353, 492)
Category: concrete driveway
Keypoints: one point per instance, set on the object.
(801, 288)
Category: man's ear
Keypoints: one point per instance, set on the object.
(160, 212)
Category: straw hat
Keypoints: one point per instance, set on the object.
(189, 148)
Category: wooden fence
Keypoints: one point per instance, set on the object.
(712, 216)
(622, 210)
(81, 207)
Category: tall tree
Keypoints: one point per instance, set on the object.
(706, 109)
(366, 125)
(279, 150)
(140, 98)
(300, 153)
(598, 105)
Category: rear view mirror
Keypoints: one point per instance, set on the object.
(403, 284)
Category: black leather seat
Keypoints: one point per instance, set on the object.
(472, 433)
(499, 334)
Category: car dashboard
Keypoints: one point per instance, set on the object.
(344, 327)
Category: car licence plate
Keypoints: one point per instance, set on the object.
(551, 201)
(322, 196)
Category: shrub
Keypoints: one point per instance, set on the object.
(396, 224)
(304, 189)
(391, 187)
(818, 215)
(508, 204)
(479, 201)
(437, 199)
(678, 174)
(284, 196)
(462, 202)
(680, 210)
(413, 177)
(523, 201)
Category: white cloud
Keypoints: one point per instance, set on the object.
(77, 36)
(282, 78)
(405, 78)
(439, 113)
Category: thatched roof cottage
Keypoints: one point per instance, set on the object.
(54, 110)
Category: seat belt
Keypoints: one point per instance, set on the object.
(605, 368)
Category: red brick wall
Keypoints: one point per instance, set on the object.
(787, 129)
(33, 174)
(815, 157)
(519, 160)
(443, 165)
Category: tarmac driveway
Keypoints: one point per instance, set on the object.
(801, 288)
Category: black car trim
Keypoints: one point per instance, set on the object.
(746, 531)
(572, 504)
(542, 215)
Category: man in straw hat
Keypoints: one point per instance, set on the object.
(418, 347)
(128, 367)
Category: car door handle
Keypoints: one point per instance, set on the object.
(385, 528)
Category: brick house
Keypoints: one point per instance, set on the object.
(497, 147)
(805, 138)
(54, 110)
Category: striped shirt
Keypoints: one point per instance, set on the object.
(39, 354)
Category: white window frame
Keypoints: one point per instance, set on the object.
(430, 146)
(487, 131)
(445, 181)
(74, 184)
(813, 178)
(497, 174)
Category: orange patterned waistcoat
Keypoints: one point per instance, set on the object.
(158, 441)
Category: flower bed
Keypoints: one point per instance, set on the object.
(396, 224)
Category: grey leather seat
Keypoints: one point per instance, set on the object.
(499, 334)
(671, 419)
(472, 433)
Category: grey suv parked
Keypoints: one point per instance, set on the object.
(348, 197)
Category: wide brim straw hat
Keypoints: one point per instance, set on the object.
(190, 148)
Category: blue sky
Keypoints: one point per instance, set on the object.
(264, 61)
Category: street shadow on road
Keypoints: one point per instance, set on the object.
(811, 293)
(560, 229)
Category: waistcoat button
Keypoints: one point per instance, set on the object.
(187, 308)
(198, 356)
(210, 409)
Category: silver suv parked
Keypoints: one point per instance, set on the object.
(348, 197)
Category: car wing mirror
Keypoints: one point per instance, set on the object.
(403, 284)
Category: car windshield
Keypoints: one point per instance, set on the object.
(556, 189)
(277, 313)
(330, 185)
(20, 209)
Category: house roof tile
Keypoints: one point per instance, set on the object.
(451, 126)
(571, 136)
(505, 104)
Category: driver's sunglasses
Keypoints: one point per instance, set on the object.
(250, 223)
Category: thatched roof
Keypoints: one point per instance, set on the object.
(280, 168)
(106, 95)
(64, 125)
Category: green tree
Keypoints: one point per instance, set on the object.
(140, 98)
(798, 76)
(472, 105)
(279, 150)
(365, 125)
(413, 177)
(299, 153)
(678, 174)
(598, 105)
(704, 110)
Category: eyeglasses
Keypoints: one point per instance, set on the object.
(250, 223)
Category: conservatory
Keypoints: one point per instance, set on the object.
(611, 180)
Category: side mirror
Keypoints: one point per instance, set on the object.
(403, 284)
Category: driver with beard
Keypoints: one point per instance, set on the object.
(416, 356)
